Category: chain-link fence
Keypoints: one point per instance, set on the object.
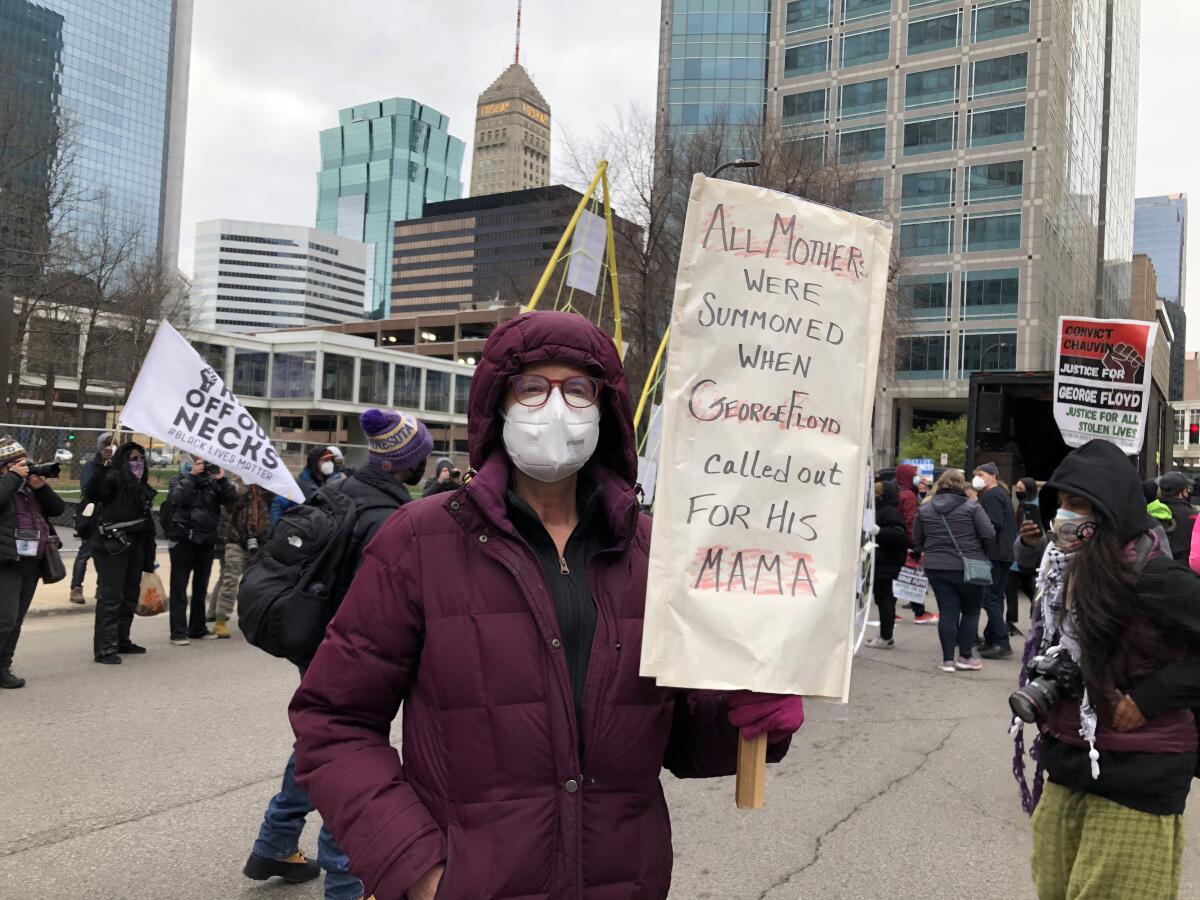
(72, 447)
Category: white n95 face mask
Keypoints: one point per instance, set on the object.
(978, 483)
(552, 442)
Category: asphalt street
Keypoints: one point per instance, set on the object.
(148, 780)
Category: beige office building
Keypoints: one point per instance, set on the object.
(512, 136)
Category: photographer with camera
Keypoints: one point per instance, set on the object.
(248, 529)
(27, 503)
(122, 545)
(1112, 673)
(191, 520)
(445, 480)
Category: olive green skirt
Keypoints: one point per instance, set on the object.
(1088, 848)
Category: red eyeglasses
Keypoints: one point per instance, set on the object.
(533, 391)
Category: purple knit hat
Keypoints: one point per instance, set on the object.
(396, 441)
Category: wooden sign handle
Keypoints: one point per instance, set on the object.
(751, 772)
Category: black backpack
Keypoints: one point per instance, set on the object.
(288, 594)
(166, 516)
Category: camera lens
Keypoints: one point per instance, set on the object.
(1032, 703)
(1022, 707)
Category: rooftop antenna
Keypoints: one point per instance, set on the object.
(517, 55)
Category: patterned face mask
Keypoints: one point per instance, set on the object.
(1072, 529)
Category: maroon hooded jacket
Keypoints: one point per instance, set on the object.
(905, 473)
(450, 617)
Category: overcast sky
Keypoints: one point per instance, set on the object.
(264, 83)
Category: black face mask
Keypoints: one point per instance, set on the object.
(417, 474)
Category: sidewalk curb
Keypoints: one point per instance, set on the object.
(72, 610)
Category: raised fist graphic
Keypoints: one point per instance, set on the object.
(1122, 363)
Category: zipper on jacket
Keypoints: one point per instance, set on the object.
(562, 565)
(608, 661)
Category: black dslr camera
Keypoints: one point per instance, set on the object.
(1053, 676)
(46, 470)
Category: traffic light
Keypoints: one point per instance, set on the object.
(1194, 433)
(70, 437)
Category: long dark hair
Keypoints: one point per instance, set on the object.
(1103, 594)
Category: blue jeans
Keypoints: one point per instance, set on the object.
(995, 634)
(279, 837)
(958, 611)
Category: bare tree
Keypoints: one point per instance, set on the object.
(649, 187)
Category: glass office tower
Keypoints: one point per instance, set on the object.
(979, 129)
(379, 166)
(122, 99)
(1160, 231)
(717, 63)
(30, 95)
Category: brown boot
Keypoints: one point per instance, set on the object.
(77, 596)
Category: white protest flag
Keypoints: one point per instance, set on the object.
(770, 384)
(587, 253)
(180, 400)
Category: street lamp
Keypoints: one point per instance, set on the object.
(1002, 345)
(738, 163)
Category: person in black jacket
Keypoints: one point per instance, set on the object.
(891, 550)
(122, 546)
(995, 500)
(79, 570)
(26, 505)
(197, 494)
(1175, 491)
(1117, 738)
(399, 447)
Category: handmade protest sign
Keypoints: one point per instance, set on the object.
(1102, 380)
(770, 382)
(180, 400)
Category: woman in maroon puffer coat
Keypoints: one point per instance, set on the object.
(506, 618)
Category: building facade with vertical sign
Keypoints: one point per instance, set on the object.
(512, 136)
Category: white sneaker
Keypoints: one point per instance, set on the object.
(877, 643)
(179, 642)
(946, 665)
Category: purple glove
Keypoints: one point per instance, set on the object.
(777, 715)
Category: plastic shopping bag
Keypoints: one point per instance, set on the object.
(153, 597)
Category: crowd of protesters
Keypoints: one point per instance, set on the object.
(533, 747)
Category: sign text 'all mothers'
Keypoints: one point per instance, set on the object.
(771, 374)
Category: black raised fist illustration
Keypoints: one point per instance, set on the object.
(1122, 363)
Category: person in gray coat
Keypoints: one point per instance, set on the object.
(947, 518)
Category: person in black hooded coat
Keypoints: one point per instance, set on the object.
(122, 547)
(1109, 822)
(891, 550)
